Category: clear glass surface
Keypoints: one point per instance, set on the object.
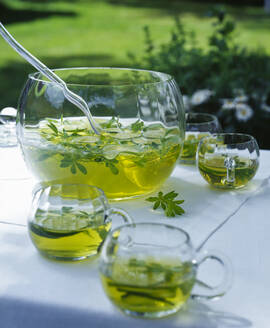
(141, 116)
(8, 137)
(71, 221)
(149, 269)
(228, 160)
(198, 125)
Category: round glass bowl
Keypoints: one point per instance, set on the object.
(141, 115)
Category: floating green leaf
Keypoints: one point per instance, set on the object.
(137, 126)
(53, 127)
(81, 168)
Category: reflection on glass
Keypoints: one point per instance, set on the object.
(198, 125)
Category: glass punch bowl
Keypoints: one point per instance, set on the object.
(142, 121)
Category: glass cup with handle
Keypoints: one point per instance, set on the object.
(70, 221)
(228, 160)
(198, 125)
(149, 269)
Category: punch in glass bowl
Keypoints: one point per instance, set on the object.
(141, 116)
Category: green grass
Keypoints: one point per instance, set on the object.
(101, 34)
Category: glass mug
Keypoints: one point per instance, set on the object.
(198, 125)
(228, 160)
(149, 269)
(70, 221)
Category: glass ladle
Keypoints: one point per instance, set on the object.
(70, 96)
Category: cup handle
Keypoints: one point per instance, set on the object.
(229, 163)
(118, 211)
(219, 290)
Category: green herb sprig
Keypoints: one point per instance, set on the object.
(77, 154)
(168, 203)
(69, 160)
(114, 122)
(137, 126)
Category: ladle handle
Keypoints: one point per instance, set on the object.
(71, 96)
(29, 57)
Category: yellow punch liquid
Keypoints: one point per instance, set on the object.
(148, 287)
(214, 171)
(67, 236)
(124, 162)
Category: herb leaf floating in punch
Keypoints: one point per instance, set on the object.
(137, 126)
(168, 203)
(127, 153)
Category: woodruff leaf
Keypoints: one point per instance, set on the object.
(137, 126)
(167, 203)
(171, 195)
(65, 164)
(73, 169)
(156, 205)
(53, 127)
(152, 199)
(113, 168)
(81, 168)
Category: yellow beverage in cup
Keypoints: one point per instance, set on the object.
(149, 286)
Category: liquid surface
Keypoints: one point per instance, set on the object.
(147, 287)
(215, 173)
(68, 236)
(123, 161)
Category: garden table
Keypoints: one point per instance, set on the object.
(37, 292)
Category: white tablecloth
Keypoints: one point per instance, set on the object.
(36, 292)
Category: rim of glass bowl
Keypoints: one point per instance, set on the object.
(187, 240)
(214, 135)
(164, 77)
(212, 118)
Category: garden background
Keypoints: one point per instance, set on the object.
(218, 51)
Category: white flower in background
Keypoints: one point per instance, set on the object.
(243, 112)
(241, 99)
(265, 107)
(186, 101)
(240, 96)
(200, 96)
(54, 95)
(228, 104)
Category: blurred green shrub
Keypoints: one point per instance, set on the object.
(237, 2)
(228, 80)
